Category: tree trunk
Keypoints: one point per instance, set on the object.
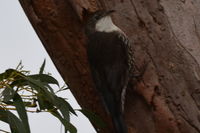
(164, 33)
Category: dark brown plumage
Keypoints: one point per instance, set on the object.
(110, 59)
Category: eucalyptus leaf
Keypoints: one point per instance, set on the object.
(6, 74)
(44, 78)
(7, 94)
(12, 73)
(93, 118)
(3, 115)
(64, 109)
(40, 88)
(42, 67)
(15, 123)
(21, 111)
(44, 102)
(68, 126)
(61, 100)
(19, 82)
(49, 87)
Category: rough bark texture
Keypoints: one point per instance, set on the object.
(166, 33)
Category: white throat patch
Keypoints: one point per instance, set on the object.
(105, 24)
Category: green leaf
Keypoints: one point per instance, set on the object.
(93, 118)
(41, 102)
(44, 102)
(19, 83)
(12, 73)
(68, 126)
(21, 111)
(42, 67)
(64, 109)
(6, 74)
(67, 105)
(15, 123)
(3, 115)
(49, 87)
(7, 94)
(40, 88)
(1, 76)
(44, 78)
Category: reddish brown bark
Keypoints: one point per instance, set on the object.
(164, 33)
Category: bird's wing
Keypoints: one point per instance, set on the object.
(109, 61)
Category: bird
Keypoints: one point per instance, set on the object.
(110, 59)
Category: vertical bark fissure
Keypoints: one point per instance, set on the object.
(180, 45)
(195, 29)
(191, 124)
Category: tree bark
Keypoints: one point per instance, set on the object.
(164, 33)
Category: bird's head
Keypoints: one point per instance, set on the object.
(100, 21)
(101, 14)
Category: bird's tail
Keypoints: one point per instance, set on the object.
(119, 124)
